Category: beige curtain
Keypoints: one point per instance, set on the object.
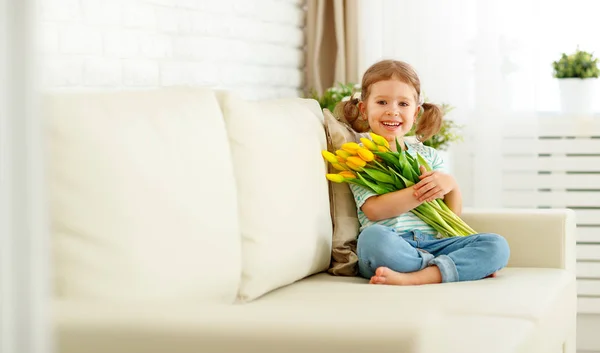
(332, 43)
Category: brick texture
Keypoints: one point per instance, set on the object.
(252, 47)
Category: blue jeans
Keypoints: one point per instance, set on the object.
(458, 258)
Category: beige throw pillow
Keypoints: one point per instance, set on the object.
(344, 261)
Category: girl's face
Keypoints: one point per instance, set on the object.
(391, 108)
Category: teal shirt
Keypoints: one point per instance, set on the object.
(406, 221)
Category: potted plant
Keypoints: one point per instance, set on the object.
(577, 75)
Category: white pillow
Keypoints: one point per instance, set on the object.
(282, 190)
(142, 197)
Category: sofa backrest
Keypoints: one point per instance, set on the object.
(283, 196)
(184, 195)
(142, 196)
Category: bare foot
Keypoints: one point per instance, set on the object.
(492, 275)
(384, 275)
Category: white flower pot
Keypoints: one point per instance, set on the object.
(576, 95)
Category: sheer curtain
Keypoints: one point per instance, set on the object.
(24, 244)
(490, 59)
(331, 43)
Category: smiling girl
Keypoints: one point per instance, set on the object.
(394, 245)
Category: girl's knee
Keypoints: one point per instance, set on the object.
(382, 246)
(497, 248)
(373, 240)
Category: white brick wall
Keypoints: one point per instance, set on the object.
(252, 46)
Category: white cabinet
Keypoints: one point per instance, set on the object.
(555, 163)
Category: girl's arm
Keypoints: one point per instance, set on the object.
(453, 200)
(434, 185)
(377, 208)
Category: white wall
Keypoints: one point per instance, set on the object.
(254, 47)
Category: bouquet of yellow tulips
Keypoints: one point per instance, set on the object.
(375, 166)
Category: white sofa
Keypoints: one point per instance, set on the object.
(189, 220)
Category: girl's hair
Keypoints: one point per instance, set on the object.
(430, 119)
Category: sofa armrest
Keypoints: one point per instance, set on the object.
(537, 237)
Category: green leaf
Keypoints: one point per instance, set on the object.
(413, 163)
(406, 168)
(398, 145)
(388, 158)
(379, 176)
(407, 183)
(423, 162)
(376, 188)
(397, 182)
(357, 182)
(386, 186)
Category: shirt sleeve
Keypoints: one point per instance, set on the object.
(361, 194)
(437, 161)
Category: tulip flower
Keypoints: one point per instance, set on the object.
(336, 178)
(351, 147)
(343, 154)
(365, 154)
(353, 166)
(356, 161)
(377, 168)
(329, 157)
(379, 140)
(348, 174)
(368, 143)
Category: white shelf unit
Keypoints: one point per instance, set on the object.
(554, 162)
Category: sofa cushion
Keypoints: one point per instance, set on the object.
(142, 196)
(282, 190)
(267, 327)
(274, 326)
(544, 296)
(344, 261)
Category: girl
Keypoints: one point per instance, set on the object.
(394, 245)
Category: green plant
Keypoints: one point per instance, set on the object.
(449, 131)
(580, 64)
(335, 94)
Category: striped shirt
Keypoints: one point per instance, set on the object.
(407, 221)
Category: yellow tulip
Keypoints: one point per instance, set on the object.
(382, 149)
(353, 166)
(379, 140)
(339, 166)
(329, 157)
(342, 153)
(341, 159)
(368, 143)
(348, 174)
(351, 147)
(356, 161)
(336, 178)
(365, 154)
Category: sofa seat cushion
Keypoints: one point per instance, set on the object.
(266, 326)
(543, 296)
(263, 326)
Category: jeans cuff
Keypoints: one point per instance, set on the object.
(427, 258)
(447, 268)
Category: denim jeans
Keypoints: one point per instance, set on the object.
(458, 258)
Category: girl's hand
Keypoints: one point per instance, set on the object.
(433, 185)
